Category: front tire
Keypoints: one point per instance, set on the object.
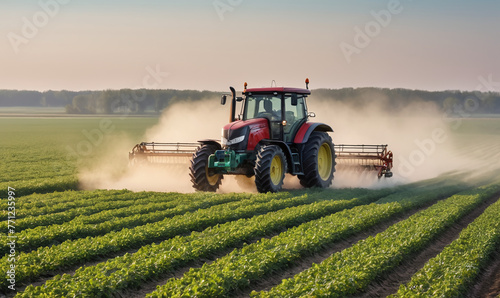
(200, 176)
(270, 169)
(318, 160)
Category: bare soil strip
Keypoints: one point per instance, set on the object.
(389, 284)
(488, 282)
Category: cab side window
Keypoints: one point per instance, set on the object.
(294, 116)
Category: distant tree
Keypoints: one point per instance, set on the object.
(70, 110)
(80, 104)
(105, 101)
(491, 102)
(84, 104)
(43, 101)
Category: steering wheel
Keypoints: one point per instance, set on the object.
(270, 115)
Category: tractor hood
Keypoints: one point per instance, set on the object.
(244, 134)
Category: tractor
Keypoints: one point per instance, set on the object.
(270, 137)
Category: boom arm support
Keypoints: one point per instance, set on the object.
(368, 157)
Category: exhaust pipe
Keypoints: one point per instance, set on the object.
(233, 105)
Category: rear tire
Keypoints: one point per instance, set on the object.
(270, 169)
(318, 161)
(202, 181)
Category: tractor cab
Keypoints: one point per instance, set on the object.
(284, 109)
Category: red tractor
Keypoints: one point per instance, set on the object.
(269, 138)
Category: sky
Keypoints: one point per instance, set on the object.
(213, 44)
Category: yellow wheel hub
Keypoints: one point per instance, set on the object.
(324, 161)
(276, 170)
(212, 180)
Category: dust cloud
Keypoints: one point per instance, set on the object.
(190, 122)
(181, 122)
(424, 141)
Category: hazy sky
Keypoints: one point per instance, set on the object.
(91, 44)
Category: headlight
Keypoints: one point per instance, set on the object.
(223, 141)
(235, 141)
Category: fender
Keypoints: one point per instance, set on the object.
(211, 142)
(307, 128)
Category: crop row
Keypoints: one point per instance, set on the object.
(451, 272)
(256, 261)
(71, 197)
(70, 253)
(74, 203)
(45, 216)
(140, 203)
(54, 203)
(41, 204)
(42, 185)
(155, 260)
(18, 171)
(126, 205)
(351, 270)
(28, 240)
(35, 174)
(57, 202)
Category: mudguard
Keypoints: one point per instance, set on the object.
(307, 128)
(211, 142)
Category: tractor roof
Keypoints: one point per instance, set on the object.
(278, 89)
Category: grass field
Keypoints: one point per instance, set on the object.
(434, 237)
(31, 110)
(42, 154)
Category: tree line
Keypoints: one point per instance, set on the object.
(146, 100)
(102, 102)
(453, 102)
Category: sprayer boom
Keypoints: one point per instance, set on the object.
(167, 153)
(365, 157)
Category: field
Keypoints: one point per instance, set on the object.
(438, 236)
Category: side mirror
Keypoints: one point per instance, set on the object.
(238, 99)
(223, 100)
(311, 114)
(294, 99)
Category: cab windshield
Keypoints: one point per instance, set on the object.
(262, 106)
